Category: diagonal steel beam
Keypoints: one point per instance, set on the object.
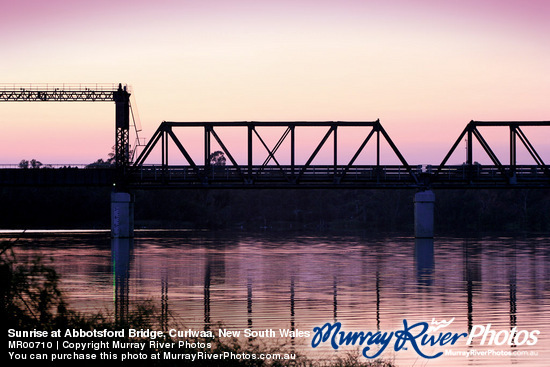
(270, 153)
(451, 151)
(184, 152)
(346, 169)
(529, 147)
(489, 152)
(532, 150)
(397, 152)
(226, 151)
(149, 147)
(330, 130)
(486, 147)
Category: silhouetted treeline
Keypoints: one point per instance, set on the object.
(374, 210)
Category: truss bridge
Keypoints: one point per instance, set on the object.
(271, 173)
(211, 159)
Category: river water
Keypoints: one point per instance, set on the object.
(297, 282)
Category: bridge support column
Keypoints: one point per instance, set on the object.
(424, 214)
(122, 215)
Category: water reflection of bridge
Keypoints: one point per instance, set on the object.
(366, 284)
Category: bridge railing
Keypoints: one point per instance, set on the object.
(383, 176)
(479, 172)
(392, 175)
(58, 86)
(52, 166)
(271, 173)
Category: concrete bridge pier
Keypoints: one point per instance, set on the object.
(122, 215)
(424, 214)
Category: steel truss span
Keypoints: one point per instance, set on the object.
(473, 174)
(271, 173)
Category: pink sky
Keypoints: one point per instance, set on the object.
(424, 68)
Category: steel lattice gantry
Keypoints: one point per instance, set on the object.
(82, 93)
(271, 173)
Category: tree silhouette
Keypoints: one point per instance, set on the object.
(217, 158)
(24, 163)
(33, 163)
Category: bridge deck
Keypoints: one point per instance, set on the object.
(330, 176)
(270, 176)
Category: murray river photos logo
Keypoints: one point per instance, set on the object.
(418, 336)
